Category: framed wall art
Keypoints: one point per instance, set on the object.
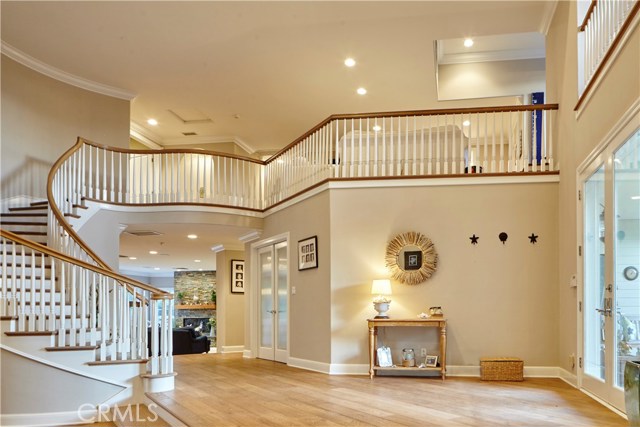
(237, 276)
(308, 253)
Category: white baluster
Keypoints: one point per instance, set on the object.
(430, 157)
(438, 159)
(486, 150)
(73, 306)
(43, 294)
(62, 336)
(23, 293)
(52, 297)
(414, 159)
(446, 145)
(31, 323)
(422, 150)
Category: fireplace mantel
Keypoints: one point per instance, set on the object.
(195, 307)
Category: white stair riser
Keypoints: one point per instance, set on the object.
(27, 297)
(20, 228)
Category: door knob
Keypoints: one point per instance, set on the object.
(604, 311)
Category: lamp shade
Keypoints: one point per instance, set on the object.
(381, 287)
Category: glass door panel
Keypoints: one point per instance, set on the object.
(265, 257)
(594, 275)
(282, 309)
(626, 315)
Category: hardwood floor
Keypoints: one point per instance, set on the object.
(227, 390)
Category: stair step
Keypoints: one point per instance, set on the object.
(47, 266)
(8, 317)
(31, 334)
(116, 362)
(72, 348)
(28, 208)
(25, 223)
(80, 206)
(40, 203)
(32, 233)
(24, 215)
(71, 215)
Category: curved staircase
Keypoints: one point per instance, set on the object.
(73, 335)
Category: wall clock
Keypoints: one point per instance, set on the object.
(630, 273)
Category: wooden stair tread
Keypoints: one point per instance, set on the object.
(31, 333)
(32, 233)
(72, 215)
(73, 348)
(80, 206)
(39, 224)
(116, 362)
(40, 203)
(24, 215)
(10, 264)
(28, 208)
(8, 317)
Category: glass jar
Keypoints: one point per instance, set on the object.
(408, 357)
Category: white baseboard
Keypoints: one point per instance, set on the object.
(568, 377)
(309, 365)
(232, 349)
(48, 419)
(348, 369)
(248, 354)
(452, 370)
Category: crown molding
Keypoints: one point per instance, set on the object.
(144, 136)
(189, 140)
(490, 56)
(547, 18)
(68, 78)
(217, 248)
(250, 237)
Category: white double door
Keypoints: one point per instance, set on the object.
(610, 298)
(273, 283)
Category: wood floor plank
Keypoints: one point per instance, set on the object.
(227, 390)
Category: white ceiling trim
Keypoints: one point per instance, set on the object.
(187, 140)
(547, 18)
(144, 136)
(63, 76)
(500, 55)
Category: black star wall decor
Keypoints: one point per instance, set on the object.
(474, 239)
(533, 238)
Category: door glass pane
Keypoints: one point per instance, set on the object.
(627, 255)
(266, 299)
(283, 268)
(594, 253)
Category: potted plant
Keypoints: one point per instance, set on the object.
(632, 391)
(213, 296)
(180, 297)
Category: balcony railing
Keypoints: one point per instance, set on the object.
(604, 23)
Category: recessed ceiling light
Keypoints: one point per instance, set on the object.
(200, 269)
(192, 236)
(153, 252)
(152, 122)
(377, 128)
(361, 91)
(349, 62)
(156, 268)
(466, 123)
(635, 197)
(468, 42)
(196, 260)
(132, 258)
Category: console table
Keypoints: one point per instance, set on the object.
(432, 322)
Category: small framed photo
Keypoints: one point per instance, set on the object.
(308, 253)
(384, 357)
(412, 260)
(237, 276)
(431, 361)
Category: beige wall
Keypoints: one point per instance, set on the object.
(310, 311)
(42, 118)
(500, 299)
(576, 138)
(230, 306)
(489, 79)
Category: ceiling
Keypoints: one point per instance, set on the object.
(256, 73)
(259, 74)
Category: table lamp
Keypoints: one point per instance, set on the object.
(381, 288)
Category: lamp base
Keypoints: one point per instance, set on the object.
(381, 308)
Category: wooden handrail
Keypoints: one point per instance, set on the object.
(436, 112)
(60, 217)
(585, 21)
(157, 294)
(607, 56)
(171, 151)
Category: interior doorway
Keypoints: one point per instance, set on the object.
(273, 301)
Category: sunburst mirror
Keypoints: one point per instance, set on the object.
(411, 257)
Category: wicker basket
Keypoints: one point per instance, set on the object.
(501, 369)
